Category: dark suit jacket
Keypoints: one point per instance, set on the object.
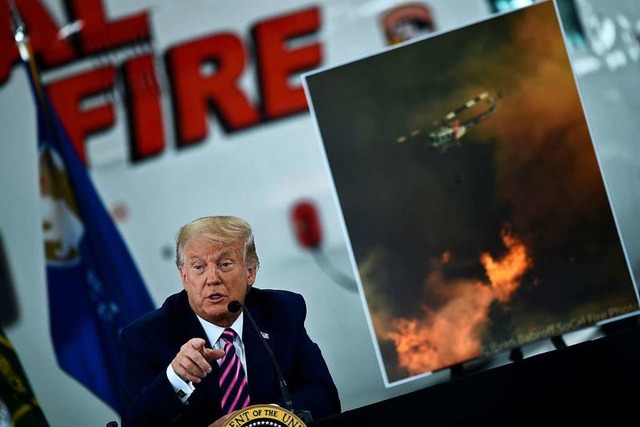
(150, 343)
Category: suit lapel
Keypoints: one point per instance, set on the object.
(260, 370)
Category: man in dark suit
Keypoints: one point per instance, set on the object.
(172, 355)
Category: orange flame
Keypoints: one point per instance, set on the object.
(453, 334)
(505, 274)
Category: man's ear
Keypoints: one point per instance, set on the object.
(183, 276)
(251, 275)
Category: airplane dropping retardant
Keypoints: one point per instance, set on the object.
(451, 128)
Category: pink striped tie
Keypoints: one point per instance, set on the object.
(233, 382)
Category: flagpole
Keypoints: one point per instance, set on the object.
(26, 54)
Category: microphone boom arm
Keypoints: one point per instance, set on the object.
(233, 307)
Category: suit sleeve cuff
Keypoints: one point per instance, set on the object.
(183, 389)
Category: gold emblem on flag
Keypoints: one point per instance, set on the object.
(61, 225)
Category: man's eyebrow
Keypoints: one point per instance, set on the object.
(228, 253)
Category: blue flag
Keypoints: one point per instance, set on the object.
(94, 287)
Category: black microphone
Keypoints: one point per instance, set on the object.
(234, 307)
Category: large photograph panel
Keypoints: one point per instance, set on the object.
(471, 193)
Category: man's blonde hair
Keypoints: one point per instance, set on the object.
(225, 230)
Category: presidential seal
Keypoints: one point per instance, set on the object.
(264, 416)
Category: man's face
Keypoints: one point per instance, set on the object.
(214, 275)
